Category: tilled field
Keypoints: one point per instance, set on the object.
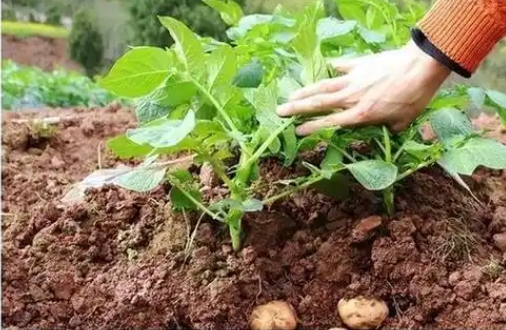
(122, 260)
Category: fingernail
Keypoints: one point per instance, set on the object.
(301, 131)
(282, 110)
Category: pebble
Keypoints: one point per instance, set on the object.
(500, 241)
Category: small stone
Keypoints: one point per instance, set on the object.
(454, 278)
(500, 241)
(364, 230)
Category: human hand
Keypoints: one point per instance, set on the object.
(390, 88)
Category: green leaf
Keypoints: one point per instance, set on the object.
(477, 96)
(475, 152)
(181, 202)
(374, 18)
(138, 72)
(331, 27)
(499, 99)
(230, 11)
(419, 150)
(374, 174)
(188, 47)
(249, 205)
(164, 133)
(150, 108)
(450, 125)
(290, 145)
(125, 148)
(250, 75)
(371, 37)
(252, 205)
(286, 87)
(142, 178)
(307, 46)
(264, 101)
(222, 67)
(350, 10)
(333, 158)
(176, 92)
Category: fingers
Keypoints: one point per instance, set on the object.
(324, 86)
(346, 64)
(337, 120)
(356, 116)
(314, 104)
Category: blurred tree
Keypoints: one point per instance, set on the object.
(54, 14)
(147, 30)
(8, 14)
(85, 41)
(32, 18)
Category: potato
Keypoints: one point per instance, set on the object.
(362, 313)
(275, 315)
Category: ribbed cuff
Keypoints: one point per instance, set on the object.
(466, 31)
(428, 47)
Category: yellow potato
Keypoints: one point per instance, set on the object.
(275, 315)
(362, 313)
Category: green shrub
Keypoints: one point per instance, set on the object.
(147, 30)
(32, 18)
(54, 15)
(8, 14)
(85, 40)
(30, 87)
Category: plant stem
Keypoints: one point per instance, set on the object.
(234, 222)
(388, 193)
(259, 152)
(218, 168)
(388, 146)
(223, 113)
(292, 190)
(345, 154)
(198, 204)
(413, 170)
(388, 200)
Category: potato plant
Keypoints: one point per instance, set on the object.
(215, 103)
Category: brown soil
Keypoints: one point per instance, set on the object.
(42, 52)
(117, 261)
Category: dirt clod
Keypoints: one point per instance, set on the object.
(124, 260)
(365, 228)
(500, 241)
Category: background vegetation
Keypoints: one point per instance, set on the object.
(132, 22)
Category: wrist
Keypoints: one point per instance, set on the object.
(427, 66)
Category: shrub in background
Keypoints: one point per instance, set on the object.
(8, 14)
(85, 41)
(54, 15)
(148, 31)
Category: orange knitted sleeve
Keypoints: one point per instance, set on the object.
(465, 30)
